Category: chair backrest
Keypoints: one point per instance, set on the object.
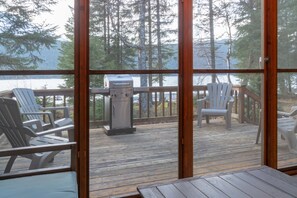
(219, 94)
(27, 102)
(11, 123)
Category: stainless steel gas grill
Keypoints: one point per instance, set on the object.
(119, 104)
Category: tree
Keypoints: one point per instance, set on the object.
(227, 17)
(220, 16)
(206, 18)
(98, 58)
(212, 39)
(20, 37)
(287, 42)
(116, 28)
(247, 46)
(66, 58)
(163, 16)
(120, 38)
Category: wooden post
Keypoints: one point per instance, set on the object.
(185, 93)
(81, 94)
(241, 103)
(269, 58)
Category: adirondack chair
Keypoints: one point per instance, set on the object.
(218, 103)
(31, 110)
(20, 134)
(286, 127)
(280, 115)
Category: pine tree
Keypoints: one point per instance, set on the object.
(247, 46)
(66, 58)
(20, 37)
(287, 42)
(205, 23)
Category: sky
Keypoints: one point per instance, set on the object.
(61, 14)
(58, 17)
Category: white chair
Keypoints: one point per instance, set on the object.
(286, 126)
(218, 102)
(32, 111)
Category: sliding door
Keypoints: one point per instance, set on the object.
(286, 80)
(37, 54)
(133, 99)
(226, 52)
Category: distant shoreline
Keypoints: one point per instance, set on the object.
(54, 83)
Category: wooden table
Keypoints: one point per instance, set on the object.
(258, 182)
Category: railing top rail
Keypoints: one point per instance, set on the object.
(47, 92)
(104, 91)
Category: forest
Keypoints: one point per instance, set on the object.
(143, 35)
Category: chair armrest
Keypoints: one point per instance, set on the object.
(56, 130)
(31, 123)
(288, 114)
(201, 102)
(230, 104)
(66, 110)
(37, 149)
(282, 114)
(48, 113)
(202, 99)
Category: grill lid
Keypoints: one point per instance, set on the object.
(117, 81)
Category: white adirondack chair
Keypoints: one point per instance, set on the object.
(218, 102)
(286, 126)
(32, 110)
(20, 134)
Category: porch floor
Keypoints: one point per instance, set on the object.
(119, 163)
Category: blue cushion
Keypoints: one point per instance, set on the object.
(53, 185)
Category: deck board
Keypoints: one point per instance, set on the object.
(256, 183)
(120, 163)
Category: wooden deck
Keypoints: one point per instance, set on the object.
(118, 164)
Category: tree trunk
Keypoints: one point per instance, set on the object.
(118, 50)
(212, 41)
(159, 44)
(108, 31)
(105, 26)
(142, 55)
(150, 48)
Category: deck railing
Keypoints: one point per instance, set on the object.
(162, 103)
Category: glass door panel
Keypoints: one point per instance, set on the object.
(227, 36)
(34, 37)
(133, 115)
(286, 120)
(218, 147)
(133, 36)
(133, 134)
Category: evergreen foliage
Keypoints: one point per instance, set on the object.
(20, 36)
(247, 46)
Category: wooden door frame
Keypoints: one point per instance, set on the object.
(81, 94)
(269, 57)
(185, 89)
(185, 73)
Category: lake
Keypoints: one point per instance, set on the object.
(53, 83)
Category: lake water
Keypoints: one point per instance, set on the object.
(30, 83)
(53, 83)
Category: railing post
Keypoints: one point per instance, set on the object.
(94, 106)
(241, 103)
(235, 95)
